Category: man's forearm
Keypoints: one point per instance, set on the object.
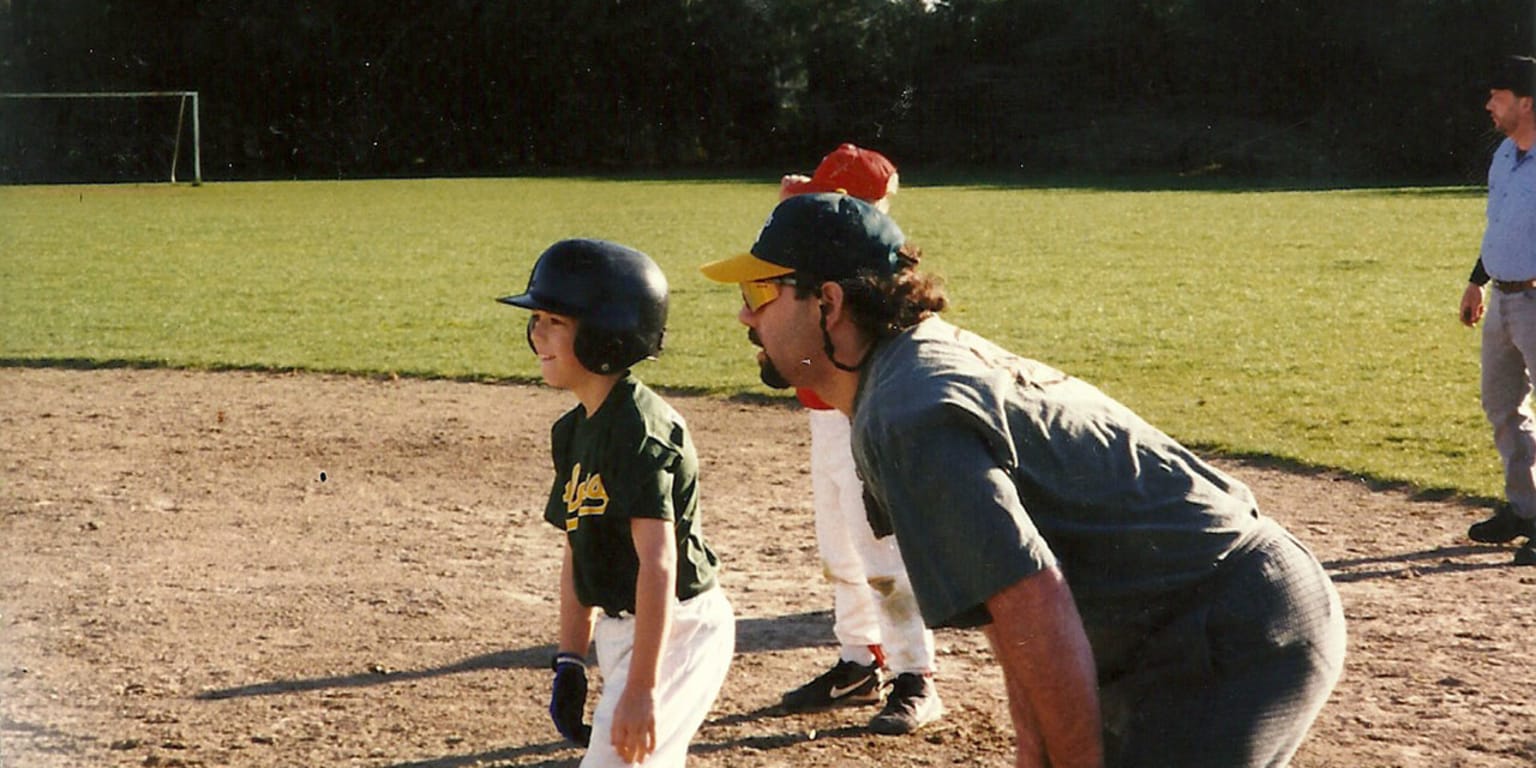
(1038, 638)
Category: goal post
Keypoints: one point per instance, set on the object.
(185, 96)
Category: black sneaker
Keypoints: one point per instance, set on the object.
(1526, 554)
(1504, 526)
(912, 703)
(843, 685)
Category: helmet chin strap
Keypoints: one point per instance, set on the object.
(831, 352)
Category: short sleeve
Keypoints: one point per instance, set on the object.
(950, 497)
(561, 435)
(642, 483)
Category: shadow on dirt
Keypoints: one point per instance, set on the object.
(507, 756)
(762, 742)
(780, 633)
(770, 741)
(1409, 564)
(537, 656)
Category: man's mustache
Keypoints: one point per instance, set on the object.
(766, 370)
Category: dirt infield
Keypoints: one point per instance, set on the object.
(235, 569)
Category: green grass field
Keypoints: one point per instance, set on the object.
(1314, 327)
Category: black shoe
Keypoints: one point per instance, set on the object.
(1503, 527)
(843, 685)
(912, 703)
(1526, 554)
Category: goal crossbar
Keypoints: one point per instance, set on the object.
(197, 143)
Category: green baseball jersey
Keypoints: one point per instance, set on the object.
(633, 458)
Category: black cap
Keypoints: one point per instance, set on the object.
(1514, 73)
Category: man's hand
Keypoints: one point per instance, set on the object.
(1471, 305)
(568, 698)
(793, 184)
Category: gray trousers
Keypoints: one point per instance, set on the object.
(1237, 678)
(1509, 349)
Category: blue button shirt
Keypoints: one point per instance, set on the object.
(1509, 242)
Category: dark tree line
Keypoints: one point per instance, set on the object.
(1363, 90)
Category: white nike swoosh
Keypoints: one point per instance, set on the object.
(838, 692)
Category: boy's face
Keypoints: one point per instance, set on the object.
(554, 341)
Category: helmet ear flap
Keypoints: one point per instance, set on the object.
(602, 352)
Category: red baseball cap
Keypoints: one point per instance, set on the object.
(862, 173)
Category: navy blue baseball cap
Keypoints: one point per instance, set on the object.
(832, 236)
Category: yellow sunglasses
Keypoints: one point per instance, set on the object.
(759, 292)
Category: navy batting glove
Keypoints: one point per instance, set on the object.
(568, 697)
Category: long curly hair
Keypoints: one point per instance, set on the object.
(885, 305)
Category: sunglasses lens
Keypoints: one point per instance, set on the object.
(759, 293)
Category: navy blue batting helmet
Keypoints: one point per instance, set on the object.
(617, 292)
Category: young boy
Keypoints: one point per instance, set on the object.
(638, 576)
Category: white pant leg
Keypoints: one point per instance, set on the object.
(872, 595)
(1509, 348)
(833, 481)
(694, 661)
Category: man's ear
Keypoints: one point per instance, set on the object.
(832, 302)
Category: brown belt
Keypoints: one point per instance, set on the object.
(1514, 286)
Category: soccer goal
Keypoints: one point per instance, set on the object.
(39, 130)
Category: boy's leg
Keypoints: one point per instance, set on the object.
(907, 643)
(912, 700)
(856, 622)
(855, 677)
(614, 639)
(693, 666)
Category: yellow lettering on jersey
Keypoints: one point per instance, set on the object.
(583, 497)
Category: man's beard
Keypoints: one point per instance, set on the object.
(770, 374)
(766, 370)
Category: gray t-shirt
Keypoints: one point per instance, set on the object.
(990, 467)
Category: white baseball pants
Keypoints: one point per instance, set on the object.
(694, 661)
(872, 597)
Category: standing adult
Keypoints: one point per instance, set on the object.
(1142, 609)
(1507, 259)
(875, 616)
